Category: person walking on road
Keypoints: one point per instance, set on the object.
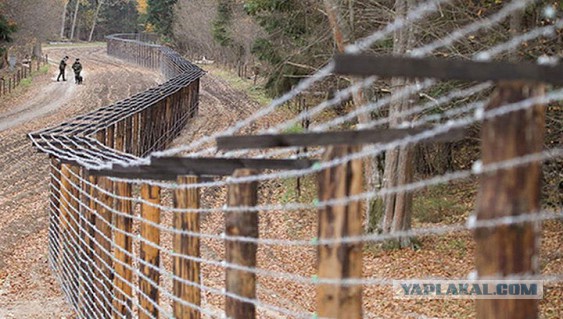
(62, 69)
(77, 67)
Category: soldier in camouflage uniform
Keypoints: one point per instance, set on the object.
(77, 67)
(62, 68)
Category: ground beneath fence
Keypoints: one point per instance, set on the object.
(27, 289)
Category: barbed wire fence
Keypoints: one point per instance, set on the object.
(141, 230)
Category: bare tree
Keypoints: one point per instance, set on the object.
(100, 2)
(343, 35)
(196, 38)
(35, 24)
(63, 24)
(399, 161)
(74, 19)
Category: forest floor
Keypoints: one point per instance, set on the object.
(28, 290)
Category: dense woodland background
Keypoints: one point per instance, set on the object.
(280, 42)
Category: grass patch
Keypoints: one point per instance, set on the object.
(25, 83)
(28, 82)
(294, 129)
(306, 193)
(74, 44)
(457, 246)
(436, 205)
(44, 69)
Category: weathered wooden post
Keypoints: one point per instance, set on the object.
(510, 250)
(103, 247)
(110, 136)
(103, 237)
(340, 261)
(64, 200)
(74, 232)
(54, 223)
(150, 256)
(123, 239)
(128, 147)
(186, 245)
(87, 244)
(143, 132)
(243, 224)
(135, 140)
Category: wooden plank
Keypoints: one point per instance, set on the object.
(171, 168)
(110, 136)
(124, 250)
(352, 137)
(129, 135)
(226, 166)
(64, 261)
(446, 69)
(340, 261)
(54, 219)
(74, 233)
(244, 224)
(89, 234)
(86, 305)
(510, 250)
(186, 269)
(120, 136)
(149, 255)
(102, 249)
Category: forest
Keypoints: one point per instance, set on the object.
(284, 42)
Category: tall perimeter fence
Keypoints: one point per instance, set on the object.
(209, 229)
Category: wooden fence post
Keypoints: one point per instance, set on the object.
(110, 136)
(103, 247)
(87, 244)
(509, 250)
(64, 199)
(150, 256)
(54, 223)
(186, 245)
(128, 147)
(123, 239)
(124, 249)
(74, 233)
(340, 261)
(103, 238)
(244, 224)
(135, 139)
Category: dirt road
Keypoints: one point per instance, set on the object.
(27, 289)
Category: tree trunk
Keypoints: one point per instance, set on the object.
(37, 50)
(72, 29)
(399, 161)
(95, 20)
(63, 24)
(342, 33)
